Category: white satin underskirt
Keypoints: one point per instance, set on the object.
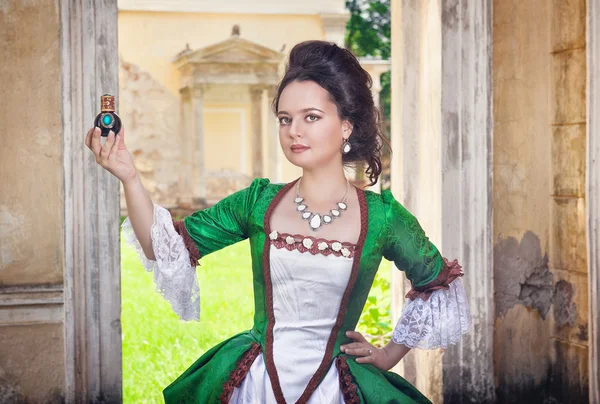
(256, 387)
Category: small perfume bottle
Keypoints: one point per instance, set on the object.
(107, 120)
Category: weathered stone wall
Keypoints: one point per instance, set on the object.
(31, 199)
(31, 214)
(540, 276)
(568, 250)
(151, 115)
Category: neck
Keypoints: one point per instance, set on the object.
(323, 186)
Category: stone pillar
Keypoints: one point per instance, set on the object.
(92, 289)
(334, 25)
(375, 90)
(569, 380)
(257, 151)
(398, 280)
(375, 68)
(466, 143)
(197, 131)
(273, 139)
(442, 132)
(192, 173)
(593, 195)
(186, 165)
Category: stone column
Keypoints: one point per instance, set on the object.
(257, 151)
(442, 132)
(92, 288)
(397, 176)
(375, 90)
(466, 189)
(186, 165)
(375, 68)
(593, 195)
(334, 25)
(197, 131)
(273, 139)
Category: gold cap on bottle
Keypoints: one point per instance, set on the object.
(107, 103)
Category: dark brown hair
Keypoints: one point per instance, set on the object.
(339, 72)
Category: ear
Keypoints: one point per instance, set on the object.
(347, 127)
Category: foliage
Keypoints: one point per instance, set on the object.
(375, 320)
(368, 33)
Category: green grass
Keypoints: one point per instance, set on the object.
(157, 346)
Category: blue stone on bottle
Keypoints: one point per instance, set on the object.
(107, 120)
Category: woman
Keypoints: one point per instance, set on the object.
(316, 246)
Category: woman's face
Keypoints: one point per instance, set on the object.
(310, 130)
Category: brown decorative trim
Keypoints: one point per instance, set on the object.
(280, 241)
(239, 373)
(450, 272)
(323, 367)
(270, 363)
(189, 243)
(348, 388)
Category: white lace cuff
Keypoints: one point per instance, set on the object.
(436, 323)
(174, 275)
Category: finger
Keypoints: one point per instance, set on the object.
(359, 351)
(114, 149)
(365, 359)
(110, 140)
(96, 146)
(355, 335)
(88, 138)
(352, 345)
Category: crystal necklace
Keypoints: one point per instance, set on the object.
(315, 220)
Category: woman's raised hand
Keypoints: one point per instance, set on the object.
(113, 155)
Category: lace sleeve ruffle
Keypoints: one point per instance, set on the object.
(436, 321)
(174, 275)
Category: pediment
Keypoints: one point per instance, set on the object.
(232, 50)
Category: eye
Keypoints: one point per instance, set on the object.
(312, 118)
(284, 120)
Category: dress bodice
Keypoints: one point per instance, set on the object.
(307, 292)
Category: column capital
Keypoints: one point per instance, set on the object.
(195, 91)
(272, 91)
(198, 90)
(257, 89)
(335, 20)
(185, 92)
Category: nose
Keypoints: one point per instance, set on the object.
(294, 129)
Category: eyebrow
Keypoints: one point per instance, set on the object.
(303, 110)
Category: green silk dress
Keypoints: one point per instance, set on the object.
(388, 231)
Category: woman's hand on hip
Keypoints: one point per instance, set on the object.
(366, 352)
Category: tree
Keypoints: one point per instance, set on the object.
(368, 33)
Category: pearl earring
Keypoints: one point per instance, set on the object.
(346, 147)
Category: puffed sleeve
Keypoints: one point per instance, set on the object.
(178, 245)
(436, 313)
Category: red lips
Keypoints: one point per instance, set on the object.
(297, 148)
